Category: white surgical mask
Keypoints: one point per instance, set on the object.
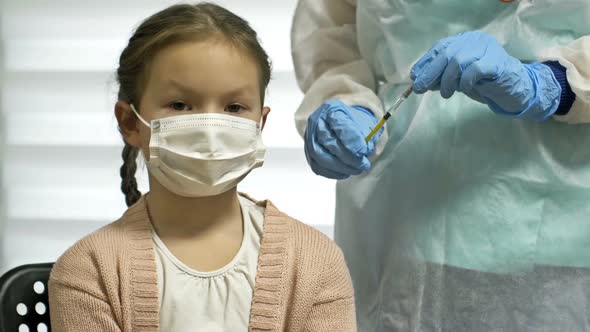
(198, 155)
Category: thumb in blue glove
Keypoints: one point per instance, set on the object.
(475, 64)
(335, 144)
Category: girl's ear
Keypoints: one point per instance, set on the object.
(265, 111)
(127, 123)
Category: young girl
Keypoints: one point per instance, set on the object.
(193, 254)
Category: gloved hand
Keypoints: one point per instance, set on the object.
(475, 64)
(335, 139)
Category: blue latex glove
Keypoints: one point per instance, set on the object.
(335, 140)
(475, 64)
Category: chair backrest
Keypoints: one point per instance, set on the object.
(24, 305)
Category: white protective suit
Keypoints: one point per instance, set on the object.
(468, 221)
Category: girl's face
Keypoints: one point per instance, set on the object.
(195, 77)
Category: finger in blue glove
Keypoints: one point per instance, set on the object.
(334, 140)
(475, 64)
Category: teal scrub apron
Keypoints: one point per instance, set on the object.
(468, 221)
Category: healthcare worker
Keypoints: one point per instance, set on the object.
(471, 210)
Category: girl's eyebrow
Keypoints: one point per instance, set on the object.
(178, 85)
(244, 90)
(240, 90)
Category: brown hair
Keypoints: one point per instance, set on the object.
(178, 23)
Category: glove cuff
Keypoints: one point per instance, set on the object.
(365, 110)
(567, 97)
(546, 93)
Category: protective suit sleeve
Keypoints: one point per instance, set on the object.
(575, 57)
(327, 60)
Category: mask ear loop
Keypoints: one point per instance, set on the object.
(139, 116)
(145, 123)
(261, 123)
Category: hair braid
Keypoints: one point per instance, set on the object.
(127, 171)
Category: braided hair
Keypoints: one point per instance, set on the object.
(127, 171)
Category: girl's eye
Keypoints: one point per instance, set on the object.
(234, 108)
(180, 106)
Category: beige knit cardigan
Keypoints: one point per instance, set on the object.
(108, 280)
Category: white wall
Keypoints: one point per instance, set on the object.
(61, 153)
(2, 147)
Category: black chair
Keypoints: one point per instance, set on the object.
(24, 305)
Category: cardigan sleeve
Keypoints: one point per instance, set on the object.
(333, 309)
(77, 294)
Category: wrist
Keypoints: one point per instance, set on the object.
(567, 96)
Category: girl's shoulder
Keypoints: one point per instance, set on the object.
(105, 250)
(305, 264)
(298, 236)
(101, 273)
(309, 250)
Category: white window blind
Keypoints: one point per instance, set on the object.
(60, 148)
